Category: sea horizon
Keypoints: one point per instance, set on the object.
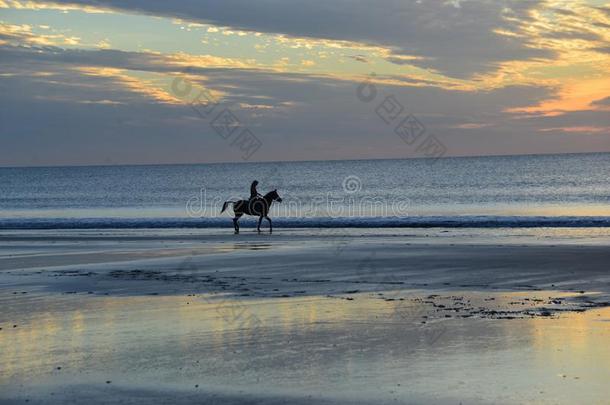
(247, 162)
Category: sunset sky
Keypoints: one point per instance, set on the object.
(90, 82)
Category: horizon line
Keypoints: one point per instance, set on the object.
(298, 161)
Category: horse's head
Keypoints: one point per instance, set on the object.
(273, 196)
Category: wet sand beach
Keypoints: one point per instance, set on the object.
(331, 316)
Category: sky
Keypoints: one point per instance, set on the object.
(93, 82)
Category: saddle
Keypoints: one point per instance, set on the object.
(256, 201)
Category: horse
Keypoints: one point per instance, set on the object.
(255, 206)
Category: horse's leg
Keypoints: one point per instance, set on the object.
(235, 224)
(270, 226)
(258, 228)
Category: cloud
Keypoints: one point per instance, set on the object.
(144, 61)
(91, 104)
(103, 44)
(605, 10)
(576, 95)
(51, 5)
(359, 58)
(456, 38)
(602, 102)
(471, 125)
(23, 34)
(588, 130)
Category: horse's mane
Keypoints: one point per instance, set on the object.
(269, 193)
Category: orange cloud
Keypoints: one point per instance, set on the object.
(131, 83)
(575, 95)
(583, 129)
(576, 31)
(35, 5)
(23, 35)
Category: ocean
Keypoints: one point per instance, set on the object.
(571, 190)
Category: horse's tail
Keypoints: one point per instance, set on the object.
(224, 206)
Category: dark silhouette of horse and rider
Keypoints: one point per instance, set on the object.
(257, 205)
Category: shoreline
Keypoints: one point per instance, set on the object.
(454, 221)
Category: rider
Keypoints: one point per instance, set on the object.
(253, 193)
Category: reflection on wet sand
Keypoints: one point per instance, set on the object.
(332, 344)
(245, 246)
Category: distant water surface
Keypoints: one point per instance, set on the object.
(555, 187)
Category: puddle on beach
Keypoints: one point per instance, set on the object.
(351, 347)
